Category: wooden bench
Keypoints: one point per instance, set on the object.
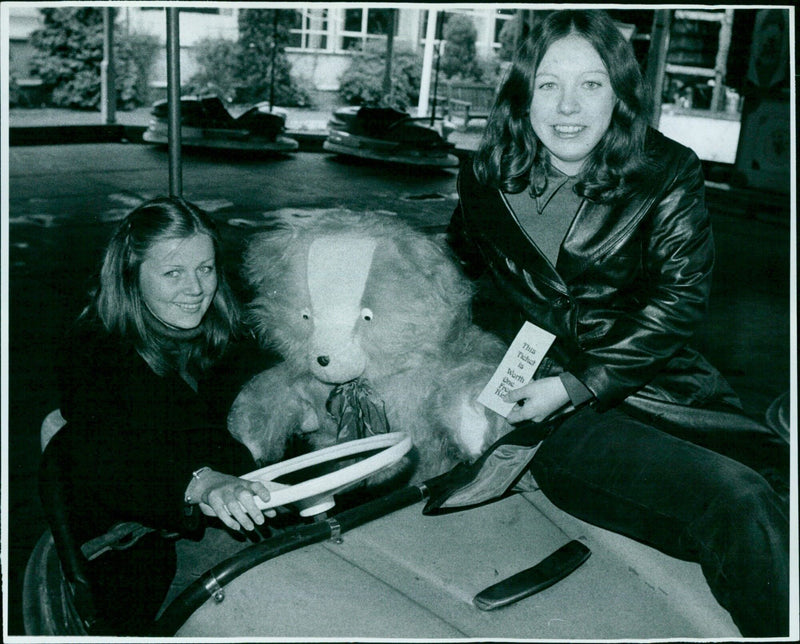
(468, 101)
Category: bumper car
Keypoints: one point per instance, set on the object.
(389, 135)
(395, 566)
(207, 123)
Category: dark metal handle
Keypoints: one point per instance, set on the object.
(544, 574)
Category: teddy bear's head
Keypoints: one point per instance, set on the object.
(348, 295)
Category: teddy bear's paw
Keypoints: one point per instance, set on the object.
(271, 408)
(472, 430)
(248, 431)
(309, 419)
(394, 476)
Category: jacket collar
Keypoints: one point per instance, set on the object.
(596, 230)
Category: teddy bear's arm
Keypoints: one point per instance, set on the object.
(269, 410)
(453, 403)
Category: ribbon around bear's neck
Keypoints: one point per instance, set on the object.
(357, 411)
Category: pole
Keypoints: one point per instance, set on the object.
(519, 29)
(387, 73)
(721, 62)
(272, 61)
(108, 81)
(174, 102)
(427, 64)
(436, 75)
(657, 59)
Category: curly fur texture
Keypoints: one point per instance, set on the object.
(421, 353)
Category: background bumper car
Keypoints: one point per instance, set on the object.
(207, 123)
(389, 135)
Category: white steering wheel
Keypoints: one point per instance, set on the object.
(316, 495)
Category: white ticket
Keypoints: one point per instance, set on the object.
(517, 367)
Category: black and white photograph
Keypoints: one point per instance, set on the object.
(398, 322)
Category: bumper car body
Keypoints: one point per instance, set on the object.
(207, 123)
(388, 135)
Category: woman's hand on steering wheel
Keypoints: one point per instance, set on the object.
(232, 500)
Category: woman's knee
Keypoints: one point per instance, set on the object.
(748, 494)
(745, 515)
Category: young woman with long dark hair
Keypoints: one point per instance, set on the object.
(594, 227)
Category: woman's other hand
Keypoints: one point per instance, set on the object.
(537, 400)
(232, 500)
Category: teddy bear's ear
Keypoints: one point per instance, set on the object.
(266, 254)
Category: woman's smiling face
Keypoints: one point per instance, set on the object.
(178, 280)
(572, 102)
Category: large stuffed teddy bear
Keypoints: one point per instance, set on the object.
(372, 320)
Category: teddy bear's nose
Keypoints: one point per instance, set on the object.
(324, 361)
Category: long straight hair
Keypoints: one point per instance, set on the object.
(118, 303)
(511, 156)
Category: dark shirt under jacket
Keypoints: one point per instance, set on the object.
(134, 438)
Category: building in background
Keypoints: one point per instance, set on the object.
(321, 44)
(323, 38)
(698, 60)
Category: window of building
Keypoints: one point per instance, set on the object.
(361, 25)
(501, 18)
(310, 29)
(183, 9)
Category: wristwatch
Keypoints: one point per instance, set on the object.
(196, 475)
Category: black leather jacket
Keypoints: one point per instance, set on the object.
(631, 283)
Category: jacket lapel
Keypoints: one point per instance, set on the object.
(492, 219)
(597, 230)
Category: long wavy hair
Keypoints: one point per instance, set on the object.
(118, 303)
(511, 157)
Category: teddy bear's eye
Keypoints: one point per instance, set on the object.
(305, 314)
(366, 314)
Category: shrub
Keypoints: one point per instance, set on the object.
(15, 97)
(134, 55)
(362, 82)
(508, 38)
(217, 59)
(242, 70)
(491, 69)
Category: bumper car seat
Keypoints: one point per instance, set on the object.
(57, 594)
(66, 590)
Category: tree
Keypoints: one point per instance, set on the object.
(69, 53)
(69, 56)
(241, 70)
(259, 31)
(460, 55)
